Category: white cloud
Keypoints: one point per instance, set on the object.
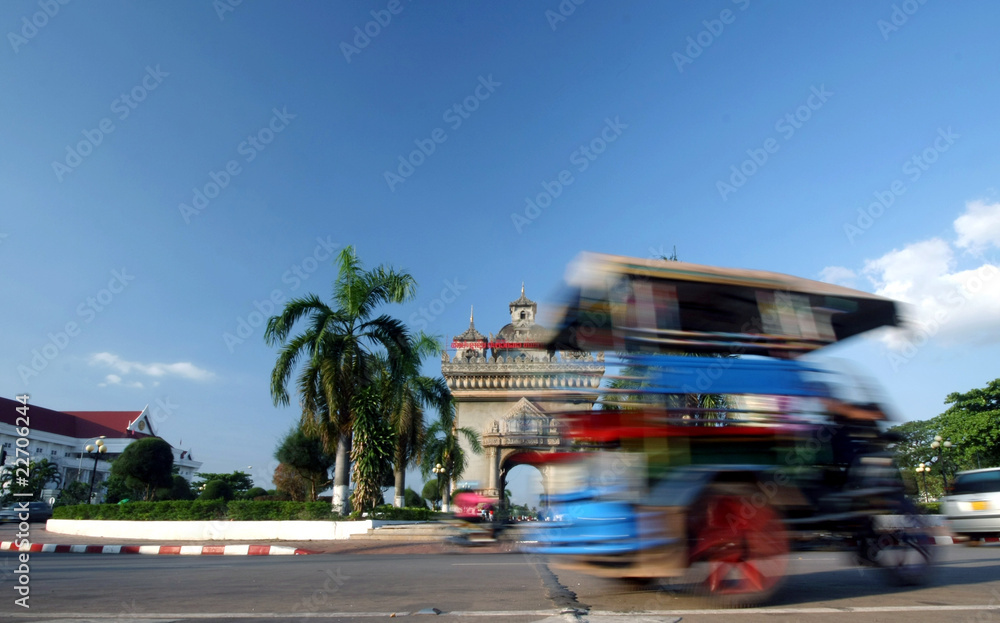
(945, 301)
(838, 275)
(182, 369)
(979, 227)
(111, 379)
(948, 295)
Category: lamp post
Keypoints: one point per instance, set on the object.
(940, 444)
(97, 450)
(439, 472)
(922, 469)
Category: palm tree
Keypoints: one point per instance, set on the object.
(371, 451)
(442, 448)
(406, 398)
(337, 346)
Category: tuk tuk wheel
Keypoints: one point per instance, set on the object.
(905, 553)
(739, 546)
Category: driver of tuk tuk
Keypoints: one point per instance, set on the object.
(854, 424)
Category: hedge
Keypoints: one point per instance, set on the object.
(199, 510)
(391, 512)
(929, 508)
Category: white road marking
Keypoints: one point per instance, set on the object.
(552, 615)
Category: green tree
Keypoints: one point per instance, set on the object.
(41, 474)
(179, 489)
(308, 457)
(335, 348)
(289, 483)
(117, 489)
(442, 447)
(972, 423)
(371, 452)
(406, 396)
(239, 482)
(432, 492)
(74, 493)
(146, 465)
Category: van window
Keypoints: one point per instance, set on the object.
(982, 482)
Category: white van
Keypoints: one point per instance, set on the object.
(973, 504)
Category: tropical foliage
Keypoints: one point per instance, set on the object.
(970, 438)
(442, 447)
(145, 465)
(336, 349)
(41, 474)
(307, 456)
(405, 396)
(371, 452)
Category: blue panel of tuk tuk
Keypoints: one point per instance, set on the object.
(685, 375)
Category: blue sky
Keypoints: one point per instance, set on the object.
(179, 163)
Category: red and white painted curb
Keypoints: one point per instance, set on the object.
(176, 550)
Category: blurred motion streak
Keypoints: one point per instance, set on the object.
(705, 467)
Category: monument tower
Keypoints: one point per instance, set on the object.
(507, 388)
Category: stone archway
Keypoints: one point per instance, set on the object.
(507, 389)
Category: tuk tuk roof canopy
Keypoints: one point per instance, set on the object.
(659, 306)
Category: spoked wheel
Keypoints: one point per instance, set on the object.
(905, 552)
(739, 553)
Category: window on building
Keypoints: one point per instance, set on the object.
(54, 452)
(524, 315)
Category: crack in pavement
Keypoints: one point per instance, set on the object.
(559, 595)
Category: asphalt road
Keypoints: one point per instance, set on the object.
(467, 586)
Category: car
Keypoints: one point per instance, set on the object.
(972, 506)
(37, 511)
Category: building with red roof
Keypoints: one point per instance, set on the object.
(62, 436)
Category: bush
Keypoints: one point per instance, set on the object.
(412, 499)
(929, 508)
(387, 511)
(200, 510)
(217, 490)
(254, 493)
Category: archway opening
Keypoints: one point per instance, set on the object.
(524, 482)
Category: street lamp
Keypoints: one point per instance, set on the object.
(439, 472)
(922, 469)
(940, 444)
(97, 450)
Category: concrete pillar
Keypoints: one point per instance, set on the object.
(494, 465)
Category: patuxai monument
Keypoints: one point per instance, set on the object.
(508, 386)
